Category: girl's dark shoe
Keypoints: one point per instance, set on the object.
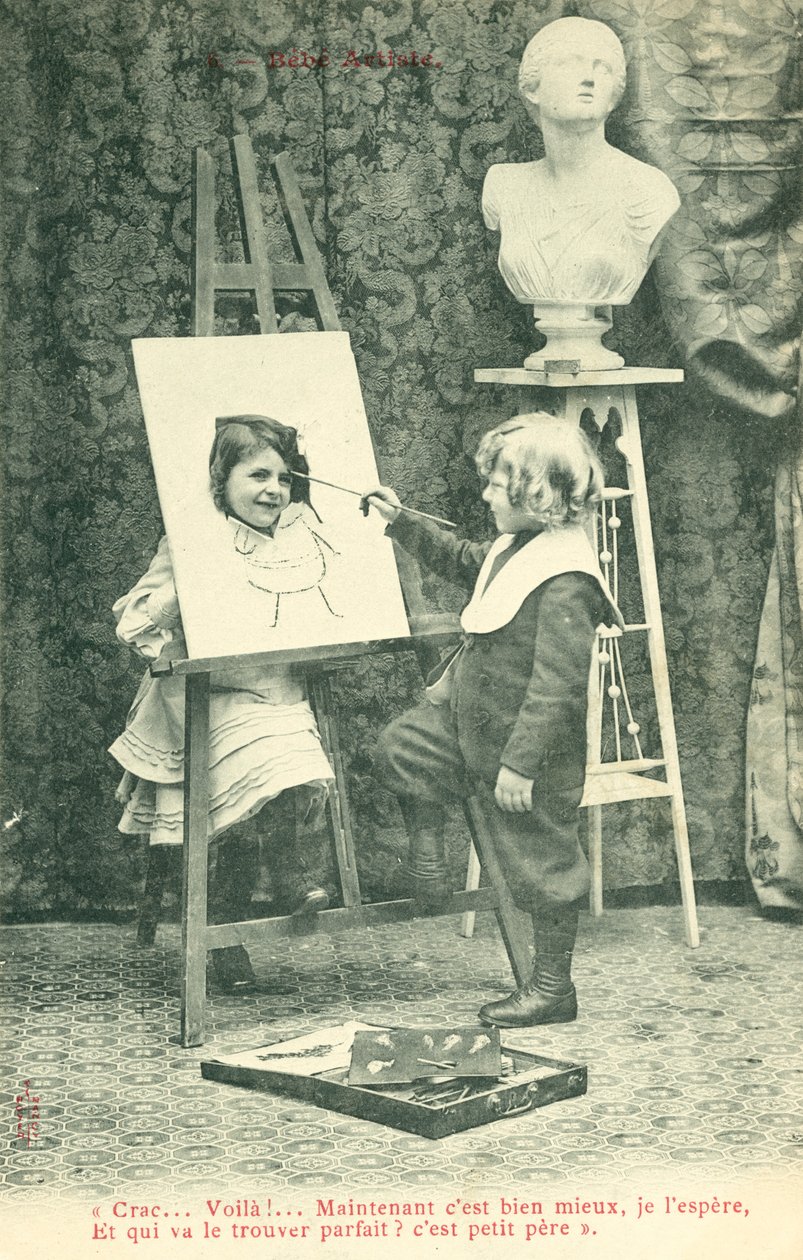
(312, 901)
(296, 891)
(234, 974)
(233, 970)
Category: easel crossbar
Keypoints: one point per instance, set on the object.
(321, 657)
(221, 934)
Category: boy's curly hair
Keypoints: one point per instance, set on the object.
(238, 437)
(553, 473)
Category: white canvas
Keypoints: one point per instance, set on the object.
(226, 590)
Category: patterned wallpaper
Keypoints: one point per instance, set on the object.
(104, 104)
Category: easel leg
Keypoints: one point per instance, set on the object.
(194, 884)
(630, 446)
(472, 881)
(595, 858)
(683, 856)
(514, 926)
(338, 796)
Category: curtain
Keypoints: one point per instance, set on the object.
(717, 105)
(774, 848)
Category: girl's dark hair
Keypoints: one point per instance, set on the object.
(238, 437)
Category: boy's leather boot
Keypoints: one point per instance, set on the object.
(550, 997)
(424, 821)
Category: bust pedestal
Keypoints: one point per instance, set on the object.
(573, 331)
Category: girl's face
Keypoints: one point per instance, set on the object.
(258, 489)
(509, 518)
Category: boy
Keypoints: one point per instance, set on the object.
(505, 717)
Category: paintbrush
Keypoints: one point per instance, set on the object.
(439, 520)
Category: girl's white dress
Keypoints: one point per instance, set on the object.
(263, 737)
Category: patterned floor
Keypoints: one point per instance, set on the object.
(695, 1062)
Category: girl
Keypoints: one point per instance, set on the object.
(505, 718)
(263, 741)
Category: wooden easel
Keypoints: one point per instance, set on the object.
(258, 276)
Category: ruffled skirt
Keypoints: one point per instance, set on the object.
(257, 749)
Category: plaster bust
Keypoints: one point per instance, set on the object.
(581, 225)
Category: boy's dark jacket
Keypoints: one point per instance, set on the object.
(520, 693)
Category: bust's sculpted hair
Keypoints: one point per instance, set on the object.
(559, 36)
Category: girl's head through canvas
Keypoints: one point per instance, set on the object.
(540, 473)
(251, 468)
(258, 489)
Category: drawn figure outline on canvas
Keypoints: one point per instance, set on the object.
(295, 560)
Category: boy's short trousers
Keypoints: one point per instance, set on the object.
(539, 852)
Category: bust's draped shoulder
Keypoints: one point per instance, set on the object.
(648, 197)
(503, 182)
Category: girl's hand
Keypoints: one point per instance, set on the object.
(513, 793)
(385, 500)
(162, 606)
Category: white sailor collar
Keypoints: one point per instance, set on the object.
(548, 554)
